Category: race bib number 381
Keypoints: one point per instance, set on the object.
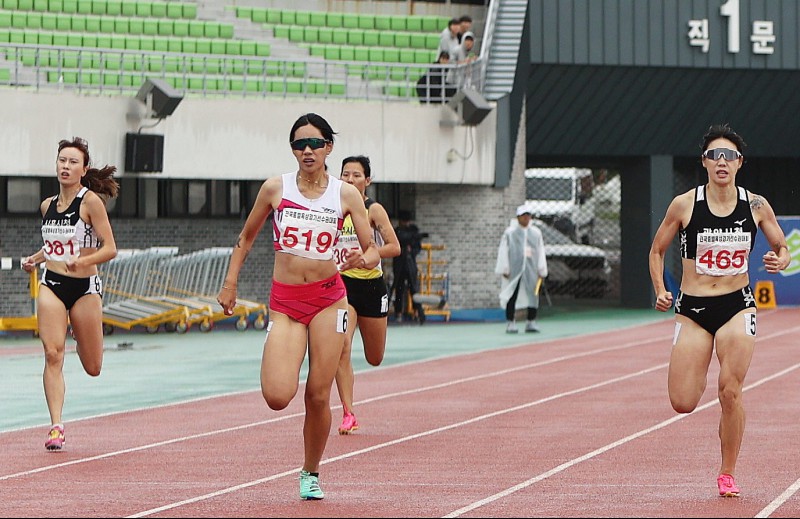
(722, 254)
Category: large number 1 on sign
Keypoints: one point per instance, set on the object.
(731, 10)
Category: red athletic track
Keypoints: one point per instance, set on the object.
(578, 427)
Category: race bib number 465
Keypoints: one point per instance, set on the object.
(722, 254)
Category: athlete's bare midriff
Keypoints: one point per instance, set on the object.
(695, 284)
(60, 267)
(297, 270)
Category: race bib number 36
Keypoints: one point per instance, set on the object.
(308, 233)
(722, 254)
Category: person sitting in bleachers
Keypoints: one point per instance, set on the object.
(432, 87)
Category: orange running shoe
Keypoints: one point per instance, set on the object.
(727, 486)
(349, 424)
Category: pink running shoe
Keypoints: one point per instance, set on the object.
(55, 440)
(349, 424)
(727, 486)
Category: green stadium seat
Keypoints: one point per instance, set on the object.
(273, 16)
(25, 5)
(340, 35)
(245, 11)
(197, 28)
(136, 25)
(335, 20)
(248, 48)
(19, 19)
(347, 53)
(355, 37)
(5, 75)
(128, 7)
(372, 37)
(317, 49)
(75, 39)
(11, 5)
(159, 9)
(414, 23)
(5, 20)
(44, 38)
(212, 29)
(40, 5)
(114, 7)
(189, 10)
(406, 55)
(144, 8)
(98, 7)
(263, 48)
(325, 35)
(217, 46)
(366, 21)
(175, 10)
(107, 23)
(78, 23)
(391, 55)
(376, 54)
(34, 20)
(118, 41)
(181, 28)
(398, 23)
(133, 42)
(226, 30)
(287, 17)
(318, 19)
(147, 42)
(203, 45)
(281, 31)
(189, 45)
(92, 23)
(432, 24)
(310, 34)
(233, 47)
(424, 56)
(60, 39)
(350, 20)
(103, 41)
(174, 44)
(49, 21)
(166, 27)
(418, 40)
(386, 38)
(55, 6)
(432, 41)
(402, 39)
(149, 27)
(333, 52)
(64, 23)
(302, 17)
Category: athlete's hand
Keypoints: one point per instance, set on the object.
(664, 301)
(227, 299)
(28, 264)
(772, 262)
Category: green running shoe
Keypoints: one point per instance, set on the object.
(309, 486)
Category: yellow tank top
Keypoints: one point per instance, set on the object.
(348, 240)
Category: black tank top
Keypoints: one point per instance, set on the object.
(704, 221)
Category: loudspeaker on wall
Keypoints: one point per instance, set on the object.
(144, 152)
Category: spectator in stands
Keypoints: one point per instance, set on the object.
(367, 297)
(308, 300)
(465, 26)
(522, 263)
(462, 56)
(449, 38)
(432, 87)
(77, 238)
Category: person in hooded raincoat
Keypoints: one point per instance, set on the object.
(522, 264)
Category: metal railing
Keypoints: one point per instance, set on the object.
(97, 71)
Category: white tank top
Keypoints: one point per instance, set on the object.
(306, 227)
(65, 233)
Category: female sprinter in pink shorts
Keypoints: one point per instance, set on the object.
(308, 301)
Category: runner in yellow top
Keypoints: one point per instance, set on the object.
(367, 296)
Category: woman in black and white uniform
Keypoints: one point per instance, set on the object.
(77, 237)
(717, 223)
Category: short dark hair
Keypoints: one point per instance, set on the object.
(454, 21)
(722, 131)
(465, 18)
(361, 159)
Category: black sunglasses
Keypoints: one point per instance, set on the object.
(314, 143)
(727, 154)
